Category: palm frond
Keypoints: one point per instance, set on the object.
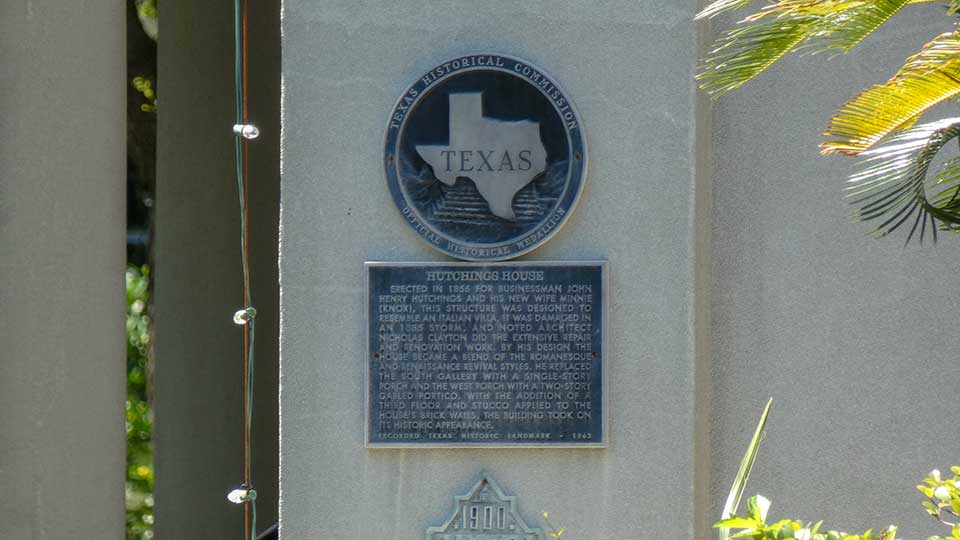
(743, 53)
(721, 6)
(892, 184)
(802, 8)
(843, 29)
(766, 36)
(910, 122)
(743, 473)
(946, 185)
(928, 78)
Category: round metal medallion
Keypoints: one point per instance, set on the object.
(485, 157)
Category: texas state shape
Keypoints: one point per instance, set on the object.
(499, 156)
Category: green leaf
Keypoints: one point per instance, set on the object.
(766, 36)
(743, 473)
(892, 183)
(721, 6)
(927, 79)
(786, 532)
(743, 53)
(779, 525)
(737, 522)
(843, 29)
(757, 507)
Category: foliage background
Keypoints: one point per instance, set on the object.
(898, 182)
(139, 416)
(142, 32)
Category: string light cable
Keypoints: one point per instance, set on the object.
(243, 132)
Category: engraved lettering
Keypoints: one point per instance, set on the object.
(505, 163)
(464, 159)
(485, 160)
(506, 355)
(447, 154)
(524, 159)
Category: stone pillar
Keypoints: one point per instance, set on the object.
(62, 228)
(628, 68)
(199, 361)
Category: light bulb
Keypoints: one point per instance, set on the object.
(241, 495)
(247, 131)
(243, 316)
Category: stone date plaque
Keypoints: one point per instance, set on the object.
(485, 512)
(497, 354)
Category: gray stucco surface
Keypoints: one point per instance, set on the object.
(735, 269)
(853, 337)
(627, 66)
(62, 177)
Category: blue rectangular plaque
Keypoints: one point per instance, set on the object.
(497, 354)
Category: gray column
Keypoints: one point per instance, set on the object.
(62, 230)
(627, 66)
(199, 362)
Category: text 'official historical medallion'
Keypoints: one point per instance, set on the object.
(485, 157)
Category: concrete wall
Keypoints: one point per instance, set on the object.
(627, 65)
(847, 333)
(853, 337)
(62, 177)
(198, 376)
(735, 270)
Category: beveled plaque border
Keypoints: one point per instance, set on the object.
(605, 398)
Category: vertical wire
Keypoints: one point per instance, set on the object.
(249, 512)
(242, 170)
(248, 335)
